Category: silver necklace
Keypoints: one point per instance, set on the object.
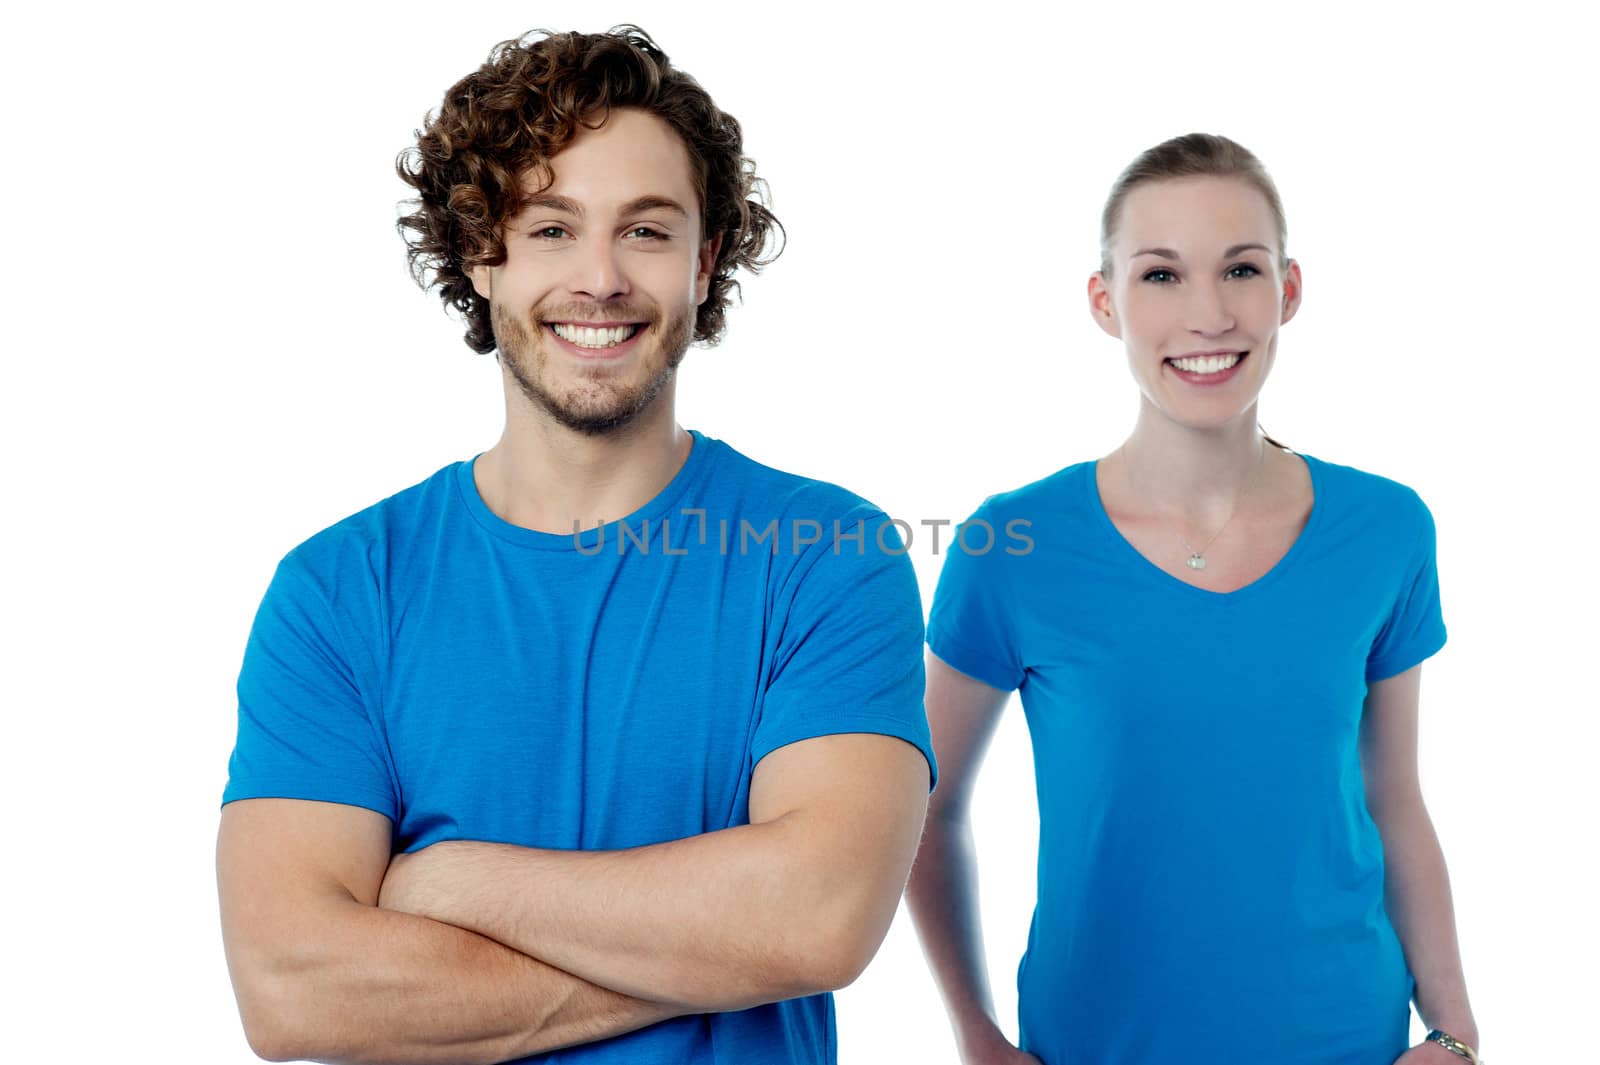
(1197, 559)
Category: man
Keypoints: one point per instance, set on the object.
(655, 784)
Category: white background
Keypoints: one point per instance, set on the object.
(212, 350)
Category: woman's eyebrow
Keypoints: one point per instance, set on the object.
(1168, 253)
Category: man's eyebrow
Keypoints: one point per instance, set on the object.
(554, 203)
(566, 205)
(654, 203)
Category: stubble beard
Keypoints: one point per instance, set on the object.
(593, 404)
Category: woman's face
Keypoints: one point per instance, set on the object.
(1197, 294)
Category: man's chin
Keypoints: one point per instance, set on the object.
(598, 400)
(602, 415)
(591, 422)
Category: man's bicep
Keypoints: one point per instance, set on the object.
(286, 868)
(867, 791)
(274, 856)
(850, 807)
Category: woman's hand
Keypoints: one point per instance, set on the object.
(1429, 1054)
(1006, 1055)
(987, 1045)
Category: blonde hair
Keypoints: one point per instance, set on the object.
(1191, 155)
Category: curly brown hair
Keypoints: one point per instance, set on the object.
(522, 107)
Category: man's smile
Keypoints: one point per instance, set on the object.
(596, 336)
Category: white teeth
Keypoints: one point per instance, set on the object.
(589, 337)
(1208, 363)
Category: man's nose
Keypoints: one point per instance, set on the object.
(597, 271)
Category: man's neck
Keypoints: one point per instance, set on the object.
(544, 476)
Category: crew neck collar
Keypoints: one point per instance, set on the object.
(699, 457)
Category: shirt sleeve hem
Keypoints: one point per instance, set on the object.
(977, 666)
(880, 726)
(1394, 664)
(321, 791)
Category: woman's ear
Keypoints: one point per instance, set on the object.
(1292, 285)
(1101, 309)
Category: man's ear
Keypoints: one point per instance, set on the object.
(706, 267)
(1101, 309)
(482, 278)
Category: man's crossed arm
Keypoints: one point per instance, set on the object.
(486, 952)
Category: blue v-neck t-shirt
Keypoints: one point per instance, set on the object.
(1210, 881)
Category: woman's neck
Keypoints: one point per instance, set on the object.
(1193, 473)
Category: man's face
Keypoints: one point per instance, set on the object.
(594, 307)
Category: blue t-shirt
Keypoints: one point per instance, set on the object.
(473, 679)
(1210, 882)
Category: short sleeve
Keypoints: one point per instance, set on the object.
(969, 625)
(849, 653)
(304, 730)
(1415, 627)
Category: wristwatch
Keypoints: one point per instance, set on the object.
(1454, 1045)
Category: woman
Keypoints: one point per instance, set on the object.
(1217, 643)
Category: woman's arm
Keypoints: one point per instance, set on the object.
(943, 892)
(1417, 886)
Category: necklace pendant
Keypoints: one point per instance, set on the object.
(1197, 561)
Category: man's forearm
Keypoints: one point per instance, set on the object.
(725, 920)
(370, 985)
(792, 904)
(1417, 889)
